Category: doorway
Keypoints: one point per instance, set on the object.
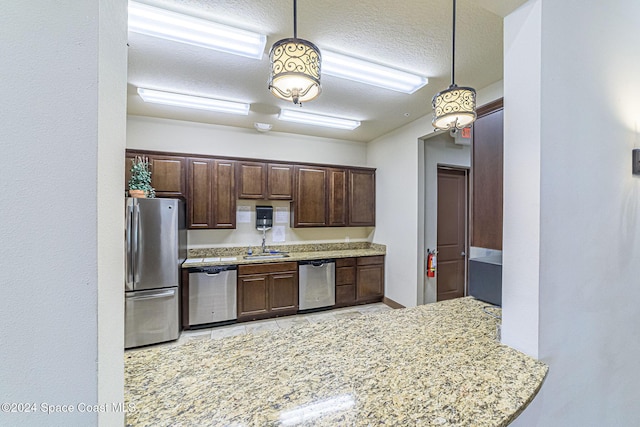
(452, 232)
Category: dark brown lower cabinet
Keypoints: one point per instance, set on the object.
(359, 280)
(267, 290)
(370, 279)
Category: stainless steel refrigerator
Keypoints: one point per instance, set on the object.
(155, 249)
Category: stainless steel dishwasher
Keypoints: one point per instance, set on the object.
(317, 284)
(212, 294)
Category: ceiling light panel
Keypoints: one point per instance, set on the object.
(318, 120)
(156, 22)
(358, 70)
(196, 102)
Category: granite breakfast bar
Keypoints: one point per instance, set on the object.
(436, 364)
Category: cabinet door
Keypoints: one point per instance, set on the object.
(486, 180)
(252, 180)
(362, 198)
(310, 205)
(168, 175)
(279, 182)
(199, 203)
(224, 194)
(283, 293)
(369, 280)
(337, 197)
(253, 292)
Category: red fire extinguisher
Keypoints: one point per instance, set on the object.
(431, 263)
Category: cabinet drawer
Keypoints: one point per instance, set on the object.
(345, 276)
(345, 262)
(275, 267)
(369, 260)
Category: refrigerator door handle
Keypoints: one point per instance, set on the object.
(129, 251)
(162, 294)
(136, 244)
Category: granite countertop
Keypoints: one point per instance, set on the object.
(301, 252)
(435, 364)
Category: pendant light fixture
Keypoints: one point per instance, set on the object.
(295, 68)
(455, 107)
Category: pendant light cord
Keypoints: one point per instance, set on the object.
(453, 45)
(295, 23)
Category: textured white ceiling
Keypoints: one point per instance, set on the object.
(413, 35)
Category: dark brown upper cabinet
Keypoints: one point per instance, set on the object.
(362, 197)
(260, 180)
(168, 173)
(310, 201)
(279, 181)
(337, 197)
(212, 197)
(252, 180)
(486, 177)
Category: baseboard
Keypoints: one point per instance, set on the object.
(391, 303)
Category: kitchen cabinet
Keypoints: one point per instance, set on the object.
(267, 290)
(345, 282)
(252, 180)
(337, 216)
(359, 280)
(258, 180)
(212, 199)
(310, 202)
(486, 177)
(279, 181)
(362, 198)
(168, 173)
(370, 279)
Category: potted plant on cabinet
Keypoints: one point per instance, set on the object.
(140, 181)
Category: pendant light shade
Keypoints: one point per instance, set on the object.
(295, 68)
(455, 107)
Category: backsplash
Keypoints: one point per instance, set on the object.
(246, 234)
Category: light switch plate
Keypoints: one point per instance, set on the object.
(636, 161)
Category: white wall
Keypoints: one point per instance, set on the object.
(199, 138)
(400, 193)
(521, 204)
(589, 213)
(150, 133)
(439, 150)
(112, 106)
(51, 142)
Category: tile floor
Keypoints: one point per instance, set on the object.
(259, 326)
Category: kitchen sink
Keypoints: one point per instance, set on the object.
(266, 256)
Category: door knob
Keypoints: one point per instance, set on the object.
(462, 254)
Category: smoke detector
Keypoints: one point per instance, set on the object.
(262, 127)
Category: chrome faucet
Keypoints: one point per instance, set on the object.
(264, 245)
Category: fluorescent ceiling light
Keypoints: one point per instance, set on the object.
(317, 119)
(346, 67)
(189, 101)
(164, 24)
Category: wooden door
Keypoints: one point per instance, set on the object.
(310, 206)
(199, 202)
(452, 220)
(337, 198)
(362, 198)
(224, 194)
(279, 182)
(252, 180)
